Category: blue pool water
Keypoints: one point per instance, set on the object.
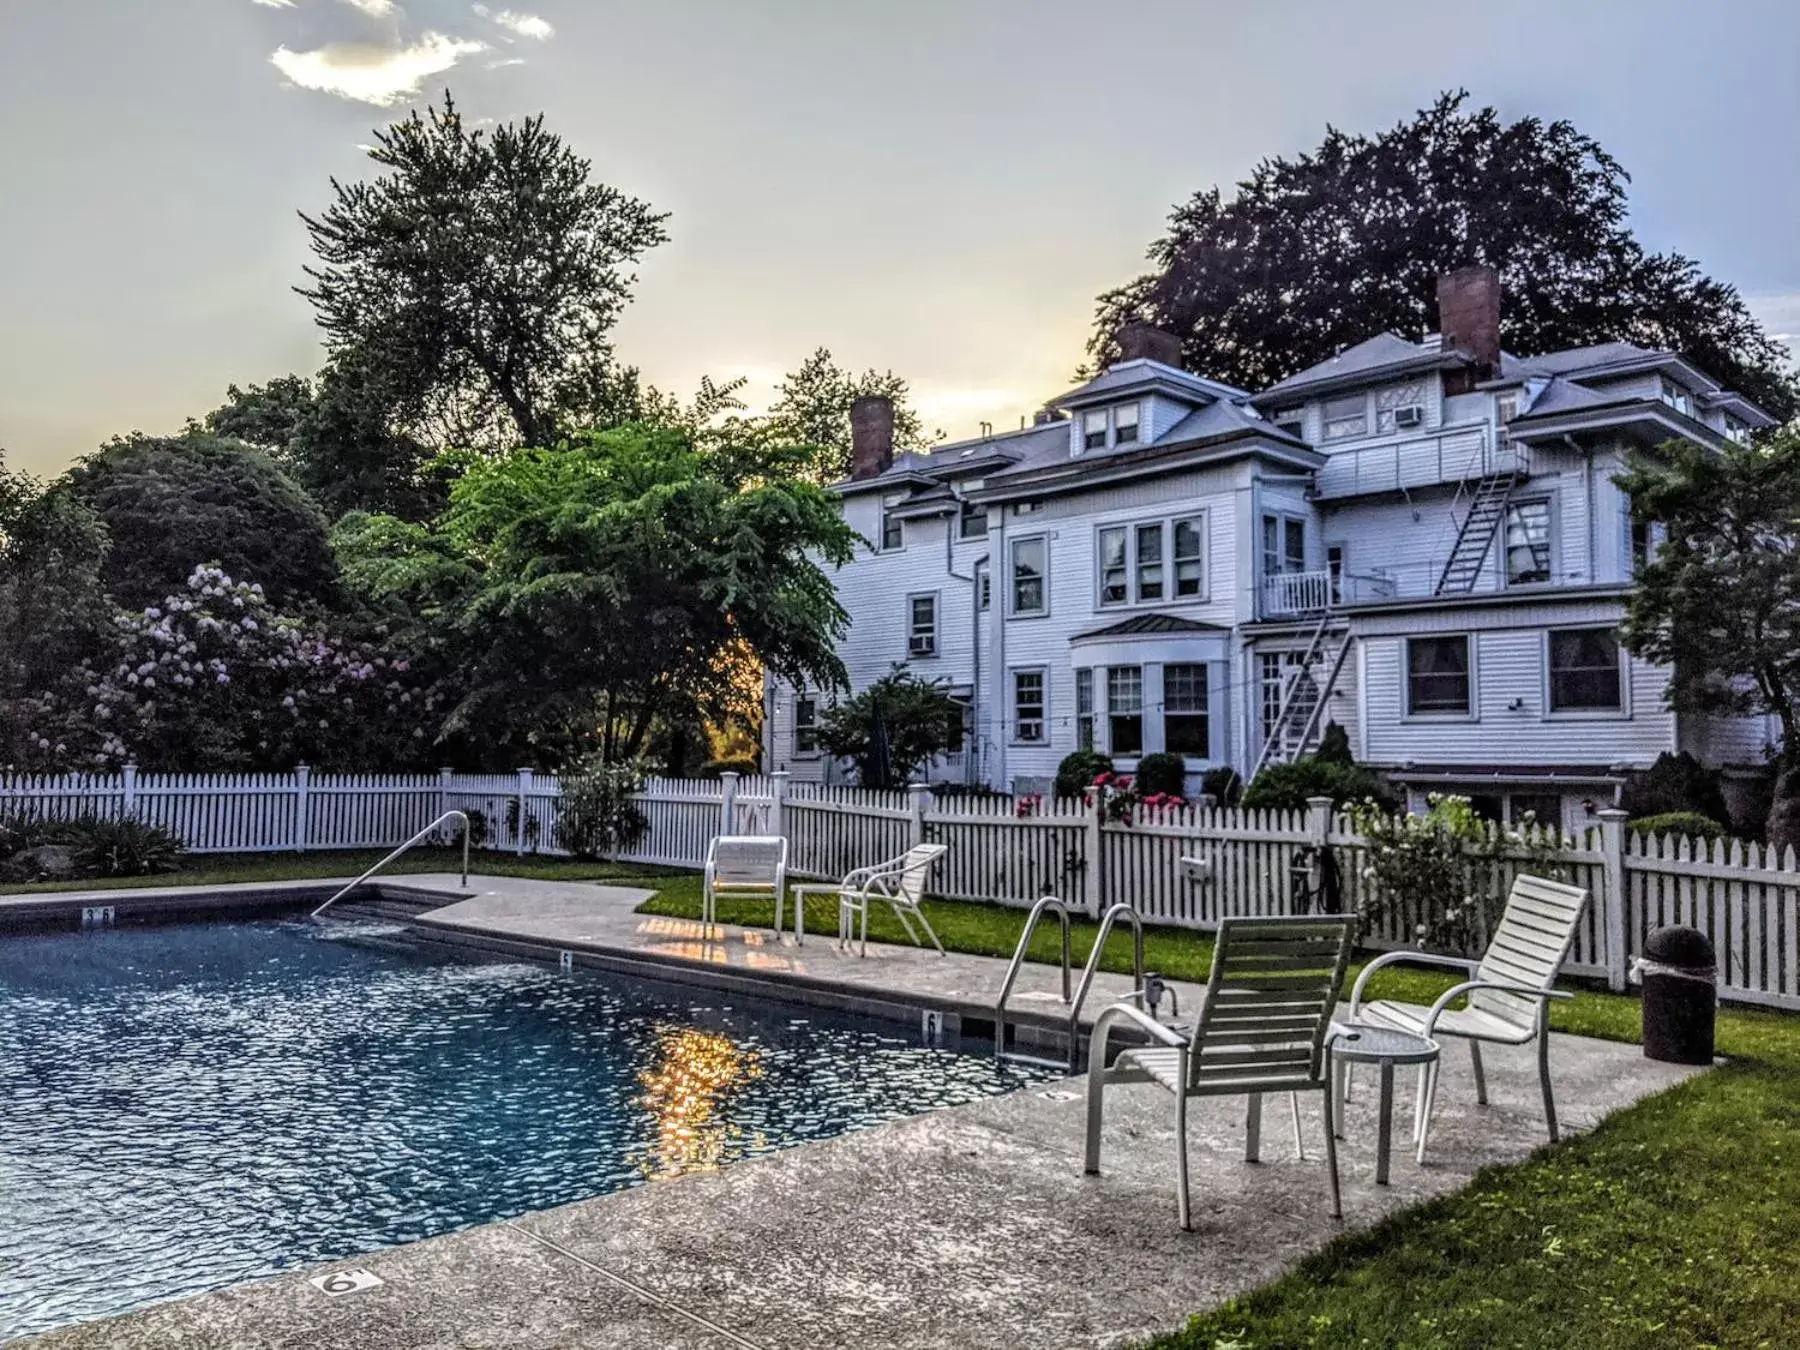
(182, 1108)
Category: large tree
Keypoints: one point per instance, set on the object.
(485, 271)
(585, 594)
(1317, 252)
(1719, 603)
(812, 408)
(172, 503)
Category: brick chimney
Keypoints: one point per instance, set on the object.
(871, 436)
(1145, 341)
(1469, 315)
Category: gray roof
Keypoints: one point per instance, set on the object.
(1577, 360)
(1382, 353)
(1146, 374)
(1221, 419)
(1141, 624)
(945, 461)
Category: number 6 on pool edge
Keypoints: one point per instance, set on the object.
(341, 1282)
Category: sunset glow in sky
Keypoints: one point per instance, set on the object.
(941, 187)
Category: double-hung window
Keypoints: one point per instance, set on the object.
(1584, 671)
(972, 521)
(1093, 430)
(893, 532)
(1084, 710)
(1283, 545)
(1149, 562)
(806, 724)
(1029, 581)
(1527, 543)
(921, 626)
(1125, 710)
(1346, 418)
(984, 587)
(1437, 675)
(1189, 556)
(1114, 573)
(1028, 706)
(1125, 424)
(1185, 728)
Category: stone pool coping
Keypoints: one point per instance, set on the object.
(967, 1226)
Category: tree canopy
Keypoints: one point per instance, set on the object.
(1330, 247)
(580, 595)
(172, 503)
(812, 408)
(1719, 602)
(483, 273)
(894, 726)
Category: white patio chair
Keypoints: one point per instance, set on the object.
(1508, 991)
(899, 882)
(751, 865)
(1262, 1028)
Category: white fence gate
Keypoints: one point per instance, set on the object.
(1001, 850)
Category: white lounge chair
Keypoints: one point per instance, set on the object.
(1262, 1029)
(1508, 991)
(899, 882)
(752, 865)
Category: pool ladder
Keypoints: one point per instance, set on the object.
(429, 829)
(1050, 903)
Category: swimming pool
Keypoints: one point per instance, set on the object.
(187, 1107)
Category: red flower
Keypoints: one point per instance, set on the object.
(1102, 779)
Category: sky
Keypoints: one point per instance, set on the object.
(940, 187)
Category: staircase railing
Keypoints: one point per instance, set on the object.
(448, 815)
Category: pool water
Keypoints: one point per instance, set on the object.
(183, 1108)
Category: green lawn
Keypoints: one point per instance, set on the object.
(1676, 1224)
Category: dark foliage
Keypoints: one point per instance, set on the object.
(1223, 784)
(1078, 770)
(1690, 823)
(1162, 773)
(1334, 746)
(1676, 784)
(1323, 250)
(1286, 787)
(918, 720)
(122, 848)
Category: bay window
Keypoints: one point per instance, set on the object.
(1125, 710)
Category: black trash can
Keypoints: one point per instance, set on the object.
(1681, 996)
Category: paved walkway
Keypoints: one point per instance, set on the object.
(972, 1226)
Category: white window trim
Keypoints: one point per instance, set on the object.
(1012, 702)
(1110, 432)
(963, 507)
(1104, 711)
(1325, 419)
(1162, 711)
(1012, 591)
(937, 626)
(794, 736)
(1553, 539)
(1620, 714)
(1406, 710)
(1201, 516)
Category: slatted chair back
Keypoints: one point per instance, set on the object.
(744, 863)
(1268, 1005)
(915, 868)
(1534, 935)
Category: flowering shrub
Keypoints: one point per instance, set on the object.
(1444, 871)
(1122, 801)
(1028, 805)
(598, 816)
(214, 677)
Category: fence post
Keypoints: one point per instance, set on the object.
(1318, 831)
(918, 797)
(1612, 900)
(778, 785)
(1093, 841)
(728, 786)
(524, 806)
(443, 800)
(302, 807)
(129, 807)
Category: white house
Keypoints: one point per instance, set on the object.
(1421, 541)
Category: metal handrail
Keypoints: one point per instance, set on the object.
(1093, 965)
(1018, 960)
(448, 815)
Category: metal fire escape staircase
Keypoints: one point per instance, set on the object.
(1487, 509)
(1298, 722)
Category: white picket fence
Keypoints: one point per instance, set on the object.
(1000, 850)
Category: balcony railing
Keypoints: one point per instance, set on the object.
(1292, 595)
(1423, 461)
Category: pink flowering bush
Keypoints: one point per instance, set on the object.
(215, 677)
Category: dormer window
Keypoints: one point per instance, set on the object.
(1292, 421)
(1346, 418)
(1125, 424)
(1676, 397)
(1093, 430)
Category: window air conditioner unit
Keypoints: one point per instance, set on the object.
(1409, 417)
(922, 645)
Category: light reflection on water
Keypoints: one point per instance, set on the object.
(183, 1108)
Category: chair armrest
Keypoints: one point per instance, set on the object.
(1456, 991)
(1127, 1012)
(1392, 958)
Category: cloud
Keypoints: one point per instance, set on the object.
(383, 76)
(274, 4)
(525, 25)
(379, 8)
(502, 65)
(1780, 314)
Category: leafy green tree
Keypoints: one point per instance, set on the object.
(1719, 603)
(893, 727)
(581, 595)
(1320, 251)
(267, 416)
(172, 503)
(485, 272)
(812, 407)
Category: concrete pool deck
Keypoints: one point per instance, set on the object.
(971, 1226)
